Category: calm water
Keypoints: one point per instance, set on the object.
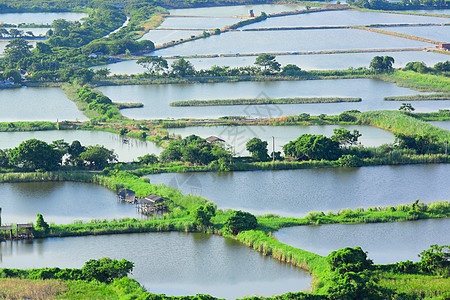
(156, 98)
(37, 104)
(238, 10)
(39, 18)
(435, 33)
(442, 124)
(385, 242)
(197, 23)
(297, 192)
(60, 202)
(345, 17)
(159, 37)
(238, 136)
(126, 152)
(195, 264)
(289, 40)
(305, 62)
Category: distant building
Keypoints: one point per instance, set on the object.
(445, 46)
(214, 139)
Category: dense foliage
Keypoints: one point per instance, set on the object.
(35, 154)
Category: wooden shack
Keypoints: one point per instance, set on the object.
(127, 195)
(5, 229)
(152, 204)
(28, 231)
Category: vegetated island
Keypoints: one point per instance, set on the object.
(243, 101)
(419, 97)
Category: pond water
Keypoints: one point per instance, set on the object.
(238, 10)
(159, 37)
(197, 22)
(344, 17)
(126, 151)
(442, 124)
(305, 62)
(195, 263)
(60, 202)
(289, 41)
(384, 242)
(238, 136)
(297, 192)
(39, 18)
(435, 33)
(37, 104)
(156, 98)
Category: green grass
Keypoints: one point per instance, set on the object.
(416, 286)
(419, 97)
(400, 122)
(418, 81)
(295, 100)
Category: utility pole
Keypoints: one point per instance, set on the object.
(273, 149)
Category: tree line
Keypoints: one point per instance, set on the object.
(35, 155)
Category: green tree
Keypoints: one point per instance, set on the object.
(309, 146)
(35, 154)
(239, 221)
(292, 70)
(203, 214)
(41, 225)
(98, 156)
(153, 64)
(106, 269)
(148, 159)
(345, 137)
(258, 149)
(349, 260)
(102, 72)
(182, 68)
(17, 49)
(382, 63)
(268, 62)
(436, 260)
(406, 107)
(74, 150)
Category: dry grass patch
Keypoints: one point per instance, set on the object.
(14, 288)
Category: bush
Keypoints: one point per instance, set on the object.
(239, 221)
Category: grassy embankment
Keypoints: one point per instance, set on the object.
(419, 97)
(260, 239)
(296, 100)
(400, 122)
(418, 81)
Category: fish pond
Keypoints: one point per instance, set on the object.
(171, 263)
(384, 242)
(156, 98)
(60, 202)
(297, 192)
(37, 104)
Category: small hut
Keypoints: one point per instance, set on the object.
(127, 195)
(28, 231)
(152, 204)
(5, 229)
(251, 14)
(214, 139)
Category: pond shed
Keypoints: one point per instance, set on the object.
(127, 195)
